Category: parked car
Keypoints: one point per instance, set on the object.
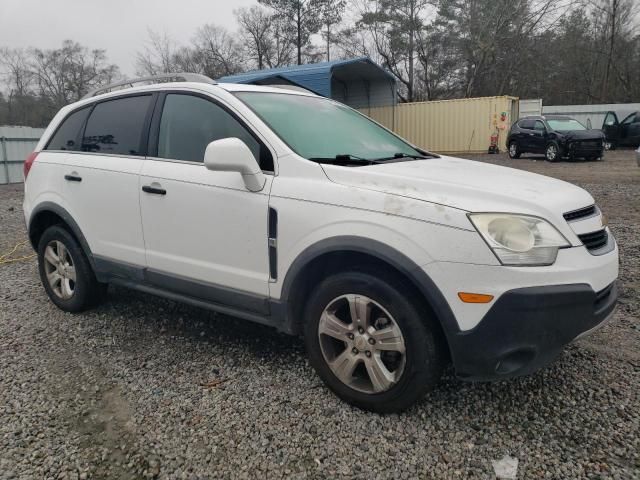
(555, 136)
(638, 156)
(295, 211)
(620, 134)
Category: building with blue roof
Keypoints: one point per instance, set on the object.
(357, 82)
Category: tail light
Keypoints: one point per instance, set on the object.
(28, 163)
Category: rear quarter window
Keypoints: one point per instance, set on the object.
(116, 126)
(67, 136)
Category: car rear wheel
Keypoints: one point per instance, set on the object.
(514, 150)
(552, 152)
(66, 273)
(370, 344)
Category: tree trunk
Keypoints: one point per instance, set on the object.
(612, 40)
(328, 41)
(411, 48)
(299, 32)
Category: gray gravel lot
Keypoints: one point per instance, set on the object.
(130, 390)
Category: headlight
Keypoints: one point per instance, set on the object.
(519, 239)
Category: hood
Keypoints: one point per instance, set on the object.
(582, 134)
(468, 185)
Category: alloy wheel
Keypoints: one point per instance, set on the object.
(362, 343)
(552, 152)
(513, 149)
(60, 269)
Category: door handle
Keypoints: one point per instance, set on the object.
(74, 177)
(154, 190)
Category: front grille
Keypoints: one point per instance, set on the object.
(594, 240)
(589, 144)
(580, 213)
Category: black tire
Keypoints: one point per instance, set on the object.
(425, 351)
(514, 150)
(548, 152)
(87, 291)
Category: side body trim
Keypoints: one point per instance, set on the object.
(407, 267)
(68, 219)
(108, 270)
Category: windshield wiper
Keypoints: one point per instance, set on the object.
(400, 156)
(344, 159)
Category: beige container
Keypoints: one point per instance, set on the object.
(450, 126)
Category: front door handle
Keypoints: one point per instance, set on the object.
(154, 190)
(73, 177)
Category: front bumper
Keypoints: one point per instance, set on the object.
(584, 149)
(527, 328)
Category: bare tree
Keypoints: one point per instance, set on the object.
(159, 55)
(300, 19)
(66, 74)
(614, 22)
(255, 26)
(218, 52)
(395, 26)
(331, 15)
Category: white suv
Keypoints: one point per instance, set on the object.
(295, 211)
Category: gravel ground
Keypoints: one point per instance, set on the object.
(131, 390)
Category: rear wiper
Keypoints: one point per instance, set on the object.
(344, 159)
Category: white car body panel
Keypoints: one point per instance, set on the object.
(472, 187)
(105, 202)
(209, 228)
(573, 265)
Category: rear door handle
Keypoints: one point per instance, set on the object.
(74, 177)
(154, 190)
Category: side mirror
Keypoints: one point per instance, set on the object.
(233, 155)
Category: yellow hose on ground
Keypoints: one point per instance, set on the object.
(4, 258)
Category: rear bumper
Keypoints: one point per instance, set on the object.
(527, 328)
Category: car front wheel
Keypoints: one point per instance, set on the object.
(514, 150)
(373, 346)
(552, 152)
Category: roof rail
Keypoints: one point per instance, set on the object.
(161, 78)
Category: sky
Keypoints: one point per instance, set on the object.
(117, 26)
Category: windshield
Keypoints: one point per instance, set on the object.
(317, 128)
(566, 125)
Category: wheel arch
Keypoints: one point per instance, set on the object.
(350, 251)
(47, 214)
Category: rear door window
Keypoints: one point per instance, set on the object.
(189, 123)
(67, 136)
(116, 126)
(526, 124)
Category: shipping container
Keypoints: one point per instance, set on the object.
(530, 107)
(450, 126)
(16, 143)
